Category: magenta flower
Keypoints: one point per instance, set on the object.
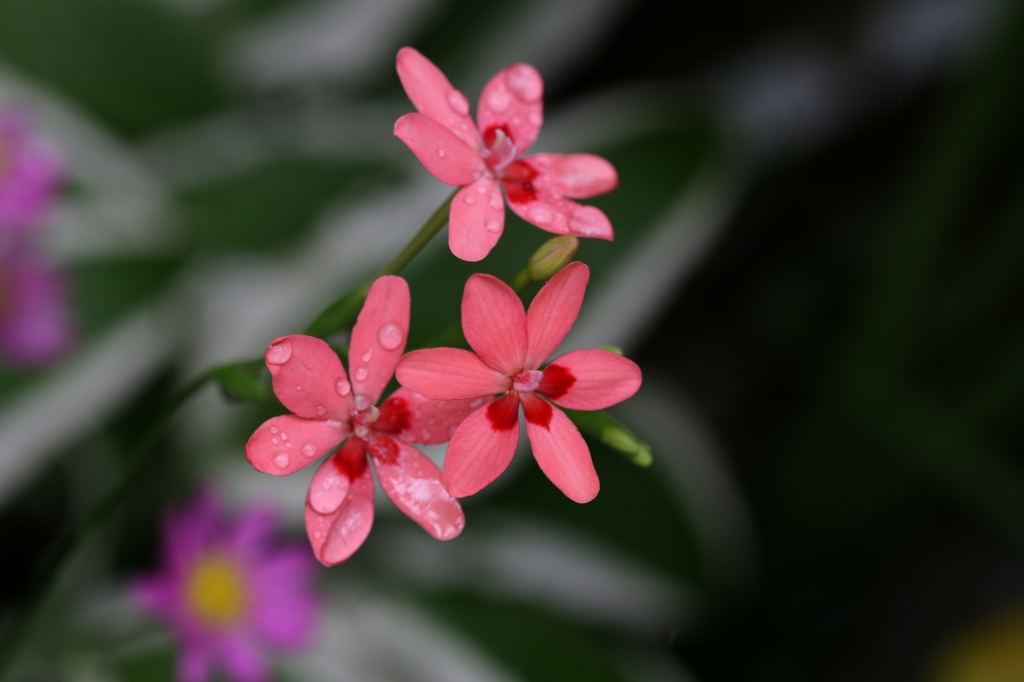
(479, 156)
(327, 409)
(31, 172)
(510, 346)
(229, 592)
(35, 322)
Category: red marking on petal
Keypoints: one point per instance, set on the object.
(556, 382)
(518, 181)
(350, 460)
(504, 413)
(394, 416)
(382, 449)
(538, 412)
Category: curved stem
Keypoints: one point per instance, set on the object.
(74, 539)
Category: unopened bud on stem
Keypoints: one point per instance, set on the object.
(547, 261)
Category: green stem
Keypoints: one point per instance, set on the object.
(343, 312)
(51, 572)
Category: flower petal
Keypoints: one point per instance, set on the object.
(283, 445)
(560, 450)
(331, 482)
(513, 101)
(308, 377)
(378, 337)
(590, 379)
(482, 446)
(449, 374)
(336, 536)
(494, 322)
(243, 659)
(433, 95)
(576, 176)
(446, 156)
(413, 418)
(413, 483)
(476, 220)
(554, 213)
(195, 661)
(554, 311)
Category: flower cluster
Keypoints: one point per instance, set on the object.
(469, 398)
(35, 323)
(229, 591)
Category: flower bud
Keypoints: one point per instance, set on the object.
(551, 257)
(608, 430)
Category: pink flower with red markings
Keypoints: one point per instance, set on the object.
(510, 346)
(229, 591)
(485, 156)
(31, 172)
(330, 408)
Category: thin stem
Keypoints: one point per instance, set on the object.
(343, 312)
(77, 537)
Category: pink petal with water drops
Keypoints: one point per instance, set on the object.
(494, 322)
(554, 213)
(283, 445)
(378, 338)
(413, 483)
(413, 418)
(447, 157)
(576, 176)
(476, 220)
(330, 484)
(433, 95)
(512, 101)
(308, 377)
(337, 535)
(450, 374)
(482, 447)
(560, 450)
(590, 379)
(553, 312)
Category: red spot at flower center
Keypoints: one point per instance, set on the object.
(504, 413)
(382, 449)
(518, 181)
(394, 416)
(538, 411)
(556, 382)
(350, 460)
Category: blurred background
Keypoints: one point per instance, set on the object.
(819, 265)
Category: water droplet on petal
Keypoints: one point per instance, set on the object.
(492, 226)
(361, 374)
(525, 83)
(535, 118)
(441, 153)
(273, 429)
(367, 355)
(540, 214)
(284, 436)
(279, 353)
(496, 202)
(275, 441)
(281, 460)
(390, 336)
(469, 199)
(584, 224)
(481, 189)
(362, 402)
(458, 102)
(362, 431)
(309, 449)
(334, 423)
(321, 410)
(343, 387)
(425, 433)
(499, 100)
(373, 414)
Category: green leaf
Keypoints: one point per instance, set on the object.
(602, 426)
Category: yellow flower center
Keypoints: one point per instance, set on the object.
(216, 591)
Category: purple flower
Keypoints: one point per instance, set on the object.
(31, 172)
(35, 322)
(229, 592)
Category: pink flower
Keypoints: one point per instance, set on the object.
(229, 592)
(35, 322)
(30, 174)
(510, 346)
(327, 409)
(479, 156)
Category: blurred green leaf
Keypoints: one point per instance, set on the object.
(104, 289)
(605, 428)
